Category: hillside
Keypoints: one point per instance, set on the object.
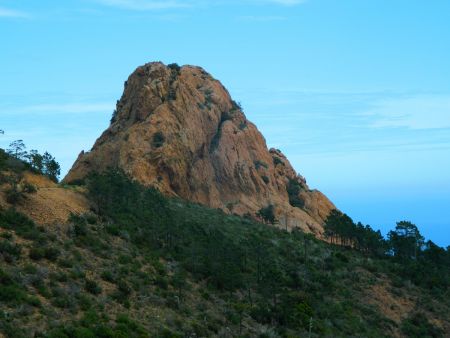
(37, 195)
(177, 129)
(181, 223)
(144, 265)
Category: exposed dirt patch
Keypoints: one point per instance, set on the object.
(394, 307)
(54, 205)
(50, 204)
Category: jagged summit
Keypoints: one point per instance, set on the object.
(177, 128)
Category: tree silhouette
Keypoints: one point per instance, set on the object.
(406, 240)
(17, 149)
(51, 168)
(36, 160)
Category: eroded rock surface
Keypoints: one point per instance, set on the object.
(179, 130)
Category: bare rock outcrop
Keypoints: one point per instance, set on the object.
(177, 128)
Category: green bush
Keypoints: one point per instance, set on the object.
(14, 196)
(77, 182)
(158, 139)
(29, 188)
(418, 326)
(38, 253)
(293, 189)
(260, 164)
(23, 226)
(175, 67)
(108, 276)
(9, 250)
(276, 161)
(10, 291)
(267, 214)
(92, 286)
(113, 118)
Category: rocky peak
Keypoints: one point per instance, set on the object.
(177, 128)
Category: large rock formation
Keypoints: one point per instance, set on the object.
(179, 130)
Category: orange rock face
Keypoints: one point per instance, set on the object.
(179, 130)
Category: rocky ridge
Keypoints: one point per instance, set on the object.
(177, 129)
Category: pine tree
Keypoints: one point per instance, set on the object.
(51, 168)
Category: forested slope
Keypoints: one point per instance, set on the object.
(143, 265)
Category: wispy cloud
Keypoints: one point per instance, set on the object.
(148, 5)
(255, 18)
(418, 112)
(11, 13)
(287, 2)
(145, 5)
(52, 109)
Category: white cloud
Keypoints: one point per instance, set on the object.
(254, 18)
(145, 5)
(148, 5)
(11, 13)
(288, 2)
(419, 112)
(66, 108)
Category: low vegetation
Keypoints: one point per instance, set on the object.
(143, 265)
(17, 159)
(293, 189)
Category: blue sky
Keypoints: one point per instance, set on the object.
(356, 93)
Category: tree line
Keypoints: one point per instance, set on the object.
(18, 159)
(422, 261)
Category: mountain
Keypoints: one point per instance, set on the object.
(109, 256)
(177, 129)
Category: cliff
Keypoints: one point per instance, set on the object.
(178, 129)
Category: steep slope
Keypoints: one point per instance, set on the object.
(152, 266)
(50, 204)
(179, 130)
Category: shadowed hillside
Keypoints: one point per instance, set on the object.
(144, 265)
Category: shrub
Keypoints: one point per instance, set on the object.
(260, 164)
(265, 179)
(226, 116)
(9, 250)
(158, 139)
(29, 188)
(51, 253)
(123, 287)
(235, 106)
(293, 189)
(80, 229)
(13, 196)
(267, 214)
(175, 67)
(162, 282)
(114, 116)
(38, 253)
(277, 161)
(92, 287)
(108, 276)
(418, 325)
(10, 291)
(21, 224)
